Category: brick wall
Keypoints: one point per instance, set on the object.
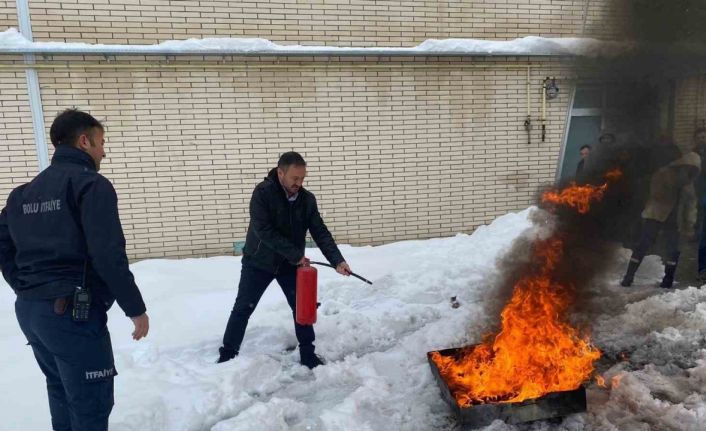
(340, 22)
(18, 155)
(8, 14)
(690, 110)
(396, 151)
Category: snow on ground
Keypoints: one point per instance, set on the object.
(11, 39)
(375, 339)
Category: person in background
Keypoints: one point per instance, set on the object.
(585, 151)
(670, 208)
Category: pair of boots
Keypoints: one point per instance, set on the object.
(670, 268)
(306, 354)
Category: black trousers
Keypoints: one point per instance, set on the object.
(77, 360)
(648, 236)
(253, 282)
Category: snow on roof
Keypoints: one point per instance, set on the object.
(13, 42)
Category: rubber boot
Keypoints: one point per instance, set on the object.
(308, 358)
(669, 270)
(225, 354)
(630, 273)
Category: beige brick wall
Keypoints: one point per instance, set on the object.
(606, 19)
(339, 22)
(18, 155)
(396, 151)
(8, 14)
(690, 109)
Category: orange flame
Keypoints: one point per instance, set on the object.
(614, 381)
(613, 175)
(600, 381)
(536, 351)
(580, 196)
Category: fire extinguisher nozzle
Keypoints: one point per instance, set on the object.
(351, 273)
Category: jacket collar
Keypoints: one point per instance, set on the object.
(68, 154)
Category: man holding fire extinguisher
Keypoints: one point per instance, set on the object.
(281, 212)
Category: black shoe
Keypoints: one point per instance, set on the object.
(667, 282)
(670, 269)
(226, 354)
(311, 360)
(630, 273)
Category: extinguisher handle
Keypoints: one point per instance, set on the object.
(352, 273)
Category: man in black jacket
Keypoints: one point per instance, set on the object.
(281, 212)
(60, 237)
(584, 152)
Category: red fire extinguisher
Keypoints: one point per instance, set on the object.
(306, 295)
(306, 292)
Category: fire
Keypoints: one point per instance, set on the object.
(576, 196)
(536, 351)
(580, 196)
(600, 381)
(614, 382)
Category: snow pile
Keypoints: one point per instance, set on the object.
(375, 339)
(528, 45)
(531, 45)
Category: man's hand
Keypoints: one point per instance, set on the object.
(304, 261)
(343, 269)
(142, 326)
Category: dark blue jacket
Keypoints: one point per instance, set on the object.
(64, 223)
(277, 232)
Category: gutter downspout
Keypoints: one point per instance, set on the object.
(567, 122)
(33, 91)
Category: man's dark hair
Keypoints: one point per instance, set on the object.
(585, 147)
(699, 130)
(71, 124)
(290, 158)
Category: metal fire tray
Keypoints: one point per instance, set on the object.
(553, 405)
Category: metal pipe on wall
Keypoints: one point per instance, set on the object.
(33, 90)
(194, 66)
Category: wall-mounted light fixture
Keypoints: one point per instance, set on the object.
(550, 88)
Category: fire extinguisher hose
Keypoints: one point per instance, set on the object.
(352, 273)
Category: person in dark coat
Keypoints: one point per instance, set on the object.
(585, 151)
(61, 243)
(281, 213)
(671, 208)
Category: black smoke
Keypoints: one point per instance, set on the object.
(669, 37)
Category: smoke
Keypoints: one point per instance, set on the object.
(639, 103)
